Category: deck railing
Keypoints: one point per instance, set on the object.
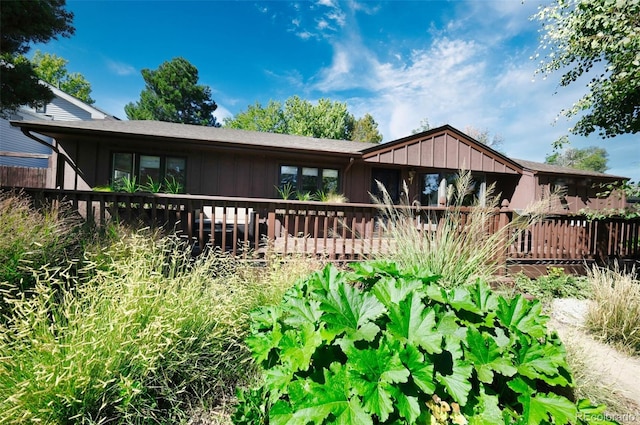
(345, 231)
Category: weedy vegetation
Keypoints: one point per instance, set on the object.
(30, 239)
(555, 284)
(614, 315)
(460, 245)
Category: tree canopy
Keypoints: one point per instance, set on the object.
(424, 126)
(591, 158)
(366, 130)
(23, 23)
(484, 136)
(172, 94)
(326, 119)
(600, 40)
(53, 70)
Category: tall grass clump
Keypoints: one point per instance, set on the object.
(31, 238)
(614, 315)
(462, 245)
(141, 332)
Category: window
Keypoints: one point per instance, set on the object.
(441, 186)
(41, 108)
(389, 179)
(148, 167)
(308, 179)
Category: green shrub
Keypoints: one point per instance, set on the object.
(134, 336)
(379, 345)
(555, 284)
(614, 315)
(30, 239)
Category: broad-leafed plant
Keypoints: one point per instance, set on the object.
(381, 345)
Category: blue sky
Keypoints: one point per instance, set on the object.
(464, 63)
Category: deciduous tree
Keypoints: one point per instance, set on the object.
(600, 40)
(424, 126)
(23, 23)
(172, 94)
(326, 119)
(591, 158)
(484, 137)
(269, 119)
(53, 70)
(366, 130)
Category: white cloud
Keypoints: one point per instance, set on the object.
(120, 68)
(469, 74)
(221, 113)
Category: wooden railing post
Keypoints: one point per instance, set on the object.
(504, 221)
(271, 227)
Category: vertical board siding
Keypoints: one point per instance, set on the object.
(23, 177)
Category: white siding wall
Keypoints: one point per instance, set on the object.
(12, 140)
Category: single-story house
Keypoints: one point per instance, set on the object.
(229, 162)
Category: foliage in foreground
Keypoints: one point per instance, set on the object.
(614, 315)
(378, 345)
(30, 239)
(134, 336)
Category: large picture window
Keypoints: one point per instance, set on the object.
(148, 168)
(437, 187)
(308, 179)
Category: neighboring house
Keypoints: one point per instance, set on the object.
(228, 162)
(18, 150)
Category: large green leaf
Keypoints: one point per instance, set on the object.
(539, 408)
(487, 410)
(542, 361)
(421, 370)
(487, 357)
(372, 373)
(313, 402)
(297, 346)
(266, 333)
(410, 322)
(408, 406)
(301, 311)
(518, 314)
(453, 372)
(483, 297)
(349, 311)
(391, 291)
(460, 299)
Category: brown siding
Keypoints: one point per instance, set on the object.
(442, 151)
(23, 176)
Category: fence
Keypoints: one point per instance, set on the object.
(23, 176)
(343, 232)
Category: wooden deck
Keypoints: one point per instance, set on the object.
(341, 232)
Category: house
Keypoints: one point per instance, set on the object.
(229, 162)
(34, 157)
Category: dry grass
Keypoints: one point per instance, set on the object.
(589, 381)
(459, 246)
(614, 316)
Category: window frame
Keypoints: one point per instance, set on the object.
(136, 160)
(445, 179)
(299, 179)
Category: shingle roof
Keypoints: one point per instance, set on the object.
(555, 169)
(198, 133)
(165, 130)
